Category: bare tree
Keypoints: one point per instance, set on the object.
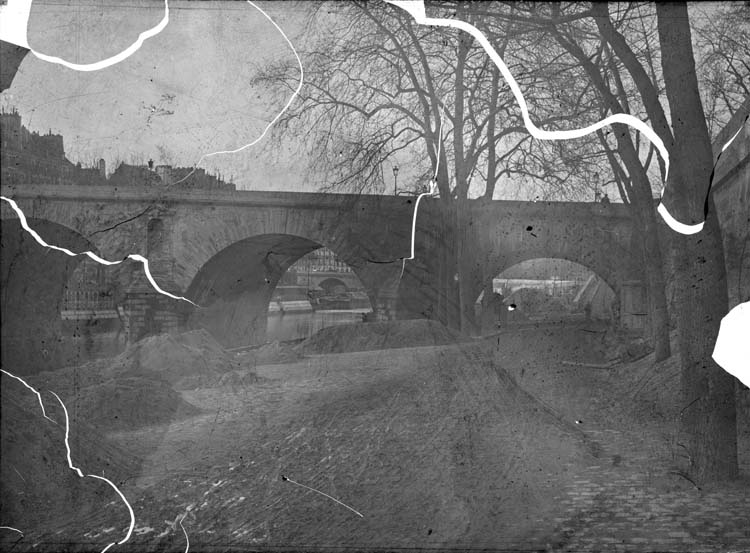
(381, 84)
(587, 81)
(380, 88)
(722, 38)
(709, 417)
(619, 57)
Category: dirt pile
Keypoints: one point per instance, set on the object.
(37, 488)
(140, 386)
(268, 354)
(379, 335)
(132, 402)
(187, 361)
(653, 385)
(119, 402)
(625, 346)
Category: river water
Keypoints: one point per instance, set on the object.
(293, 326)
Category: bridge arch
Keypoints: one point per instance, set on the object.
(34, 282)
(234, 287)
(506, 238)
(546, 289)
(610, 272)
(332, 285)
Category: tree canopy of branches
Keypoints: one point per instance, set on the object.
(381, 87)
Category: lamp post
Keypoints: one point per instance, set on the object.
(395, 180)
(597, 194)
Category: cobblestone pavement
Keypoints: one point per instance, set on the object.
(629, 496)
(628, 500)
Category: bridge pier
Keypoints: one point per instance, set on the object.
(149, 312)
(634, 307)
(214, 247)
(235, 320)
(384, 308)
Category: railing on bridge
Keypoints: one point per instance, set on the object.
(78, 304)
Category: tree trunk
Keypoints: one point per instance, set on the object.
(657, 301)
(709, 418)
(463, 267)
(641, 204)
(448, 294)
(657, 287)
(708, 422)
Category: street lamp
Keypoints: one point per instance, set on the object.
(597, 194)
(395, 179)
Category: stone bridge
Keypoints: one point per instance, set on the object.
(227, 251)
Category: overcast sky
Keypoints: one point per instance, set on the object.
(183, 94)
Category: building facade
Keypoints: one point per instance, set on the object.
(31, 158)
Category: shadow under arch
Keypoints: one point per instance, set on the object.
(234, 287)
(612, 276)
(330, 284)
(34, 280)
(547, 289)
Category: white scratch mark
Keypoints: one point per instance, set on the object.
(734, 135)
(19, 474)
(91, 255)
(285, 479)
(14, 22)
(11, 528)
(732, 349)
(80, 474)
(38, 395)
(273, 121)
(417, 10)
(187, 546)
(432, 192)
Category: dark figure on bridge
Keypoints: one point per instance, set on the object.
(499, 308)
(605, 198)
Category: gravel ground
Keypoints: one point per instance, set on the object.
(499, 445)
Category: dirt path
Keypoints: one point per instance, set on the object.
(429, 444)
(495, 445)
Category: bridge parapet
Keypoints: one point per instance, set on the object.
(208, 245)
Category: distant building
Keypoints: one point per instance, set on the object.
(31, 158)
(28, 157)
(322, 260)
(126, 175)
(184, 178)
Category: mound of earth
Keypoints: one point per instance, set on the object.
(380, 335)
(652, 385)
(138, 387)
(240, 378)
(132, 402)
(122, 402)
(268, 354)
(188, 360)
(37, 488)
